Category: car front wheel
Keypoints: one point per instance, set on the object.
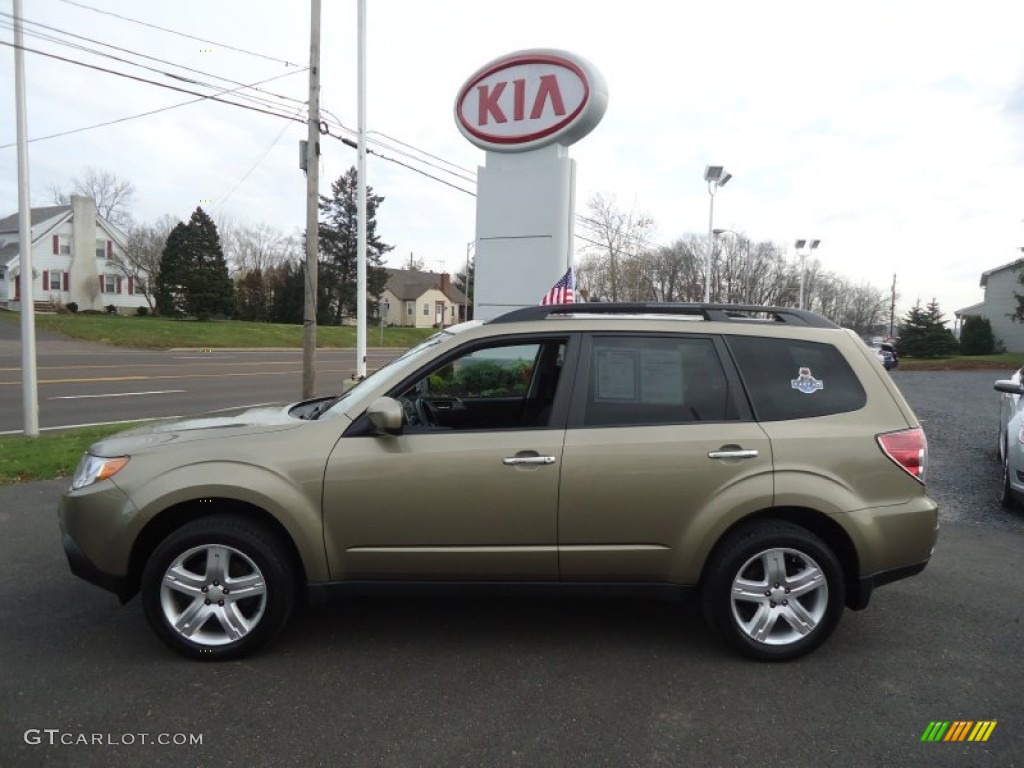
(218, 588)
(773, 590)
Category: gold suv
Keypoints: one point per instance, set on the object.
(761, 456)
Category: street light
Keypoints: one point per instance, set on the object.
(716, 176)
(811, 245)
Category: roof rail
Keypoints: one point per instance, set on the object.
(712, 312)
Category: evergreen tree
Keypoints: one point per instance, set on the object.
(923, 333)
(465, 281)
(339, 235)
(288, 290)
(193, 277)
(976, 337)
(253, 297)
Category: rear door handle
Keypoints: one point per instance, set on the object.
(737, 454)
(512, 461)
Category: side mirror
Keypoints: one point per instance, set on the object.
(1008, 386)
(386, 415)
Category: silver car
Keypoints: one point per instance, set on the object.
(1011, 438)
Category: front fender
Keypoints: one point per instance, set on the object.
(293, 501)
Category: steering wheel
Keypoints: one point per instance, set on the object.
(410, 411)
(425, 412)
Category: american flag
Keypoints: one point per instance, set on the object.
(561, 292)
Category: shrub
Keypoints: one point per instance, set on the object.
(111, 309)
(72, 307)
(142, 311)
(976, 337)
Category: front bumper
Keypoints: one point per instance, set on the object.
(84, 568)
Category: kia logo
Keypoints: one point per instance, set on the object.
(529, 99)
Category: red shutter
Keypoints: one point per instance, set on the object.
(17, 287)
(46, 280)
(119, 285)
(101, 283)
(66, 276)
(110, 248)
(56, 245)
(131, 286)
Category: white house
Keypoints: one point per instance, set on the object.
(421, 299)
(1000, 285)
(72, 247)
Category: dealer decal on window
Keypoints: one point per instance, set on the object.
(806, 383)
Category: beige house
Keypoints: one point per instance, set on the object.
(72, 252)
(1000, 285)
(421, 299)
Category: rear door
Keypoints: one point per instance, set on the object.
(660, 453)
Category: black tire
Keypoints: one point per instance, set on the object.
(211, 557)
(807, 566)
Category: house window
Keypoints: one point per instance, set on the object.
(109, 284)
(55, 279)
(138, 286)
(101, 249)
(64, 246)
(426, 309)
(409, 309)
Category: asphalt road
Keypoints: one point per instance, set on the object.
(473, 682)
(81, 383)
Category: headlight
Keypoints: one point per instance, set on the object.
(94, 468)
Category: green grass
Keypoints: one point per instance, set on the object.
(51, 455)
(1006, 362)
(162, 333)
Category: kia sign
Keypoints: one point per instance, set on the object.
(529, 99)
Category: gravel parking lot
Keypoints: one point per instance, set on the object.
(960, 415)
(484, 682)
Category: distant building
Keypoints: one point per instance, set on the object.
(421, 299)
(1000, 285)
(72, 248)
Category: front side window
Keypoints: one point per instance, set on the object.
(494, 387)
(426, 309)
(64, 245)
(109, 284)
(645, 380)
(101, 249)
(55, 281)
(792, 379)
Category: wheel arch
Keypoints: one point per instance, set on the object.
(818, 523)
(183, 512)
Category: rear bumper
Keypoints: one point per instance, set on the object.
(864, 586)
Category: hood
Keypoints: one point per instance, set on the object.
(230, 423)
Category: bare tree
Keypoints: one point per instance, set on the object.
(140, 257)
(250, 247)
(112, 194)
(615, 235)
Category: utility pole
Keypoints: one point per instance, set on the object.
(312, 206)
(361, 174)
(892, 309)
(30, 398)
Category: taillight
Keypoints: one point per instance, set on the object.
(908, 449)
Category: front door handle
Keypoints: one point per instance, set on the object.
(516, 460)
(736, 454)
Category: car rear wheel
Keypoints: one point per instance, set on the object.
(218, 588)
(773, 590)
(1008, 498)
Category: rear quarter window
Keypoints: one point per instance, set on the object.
(792, 379)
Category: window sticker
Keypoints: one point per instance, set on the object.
(661, 377)
(615, 375)
(806, 383)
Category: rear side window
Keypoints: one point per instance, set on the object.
(791, 379)
(646, 380)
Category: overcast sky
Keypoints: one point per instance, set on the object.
(893, 131)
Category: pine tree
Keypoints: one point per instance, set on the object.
(976, 337)
(339, 233)
(923, 333)
(193, 277)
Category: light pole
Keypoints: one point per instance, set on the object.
(470, 247)
(715, 176)
(717, 232)
(811, 245)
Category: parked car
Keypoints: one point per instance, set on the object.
(756, 456)
(885, 351)
(1010, 448)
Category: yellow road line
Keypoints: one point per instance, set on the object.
(180, 376)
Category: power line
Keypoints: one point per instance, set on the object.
(91, 51)
(9, 25)
(151, 82)
(180, 34)
(150, 112)
(257, 163)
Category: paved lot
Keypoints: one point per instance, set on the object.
(526, 683)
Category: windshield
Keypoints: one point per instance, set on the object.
(408, 359)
